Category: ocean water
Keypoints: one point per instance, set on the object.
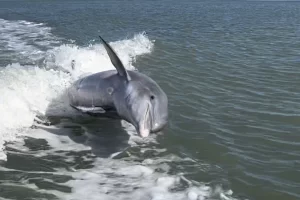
(231, 70)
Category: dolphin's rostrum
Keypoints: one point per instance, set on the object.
(124, 94)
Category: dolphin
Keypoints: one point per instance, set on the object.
(122, 94)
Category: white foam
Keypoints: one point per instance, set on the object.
(27, 91)
(26, 41)
(112, 179)
(58, 143)
(94, 58)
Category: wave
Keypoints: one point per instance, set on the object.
(27, 90)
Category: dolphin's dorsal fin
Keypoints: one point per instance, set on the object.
(115, 60)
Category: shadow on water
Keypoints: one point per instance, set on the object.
(104, 135)
(69, 142)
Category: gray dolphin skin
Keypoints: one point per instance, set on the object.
(122, 94)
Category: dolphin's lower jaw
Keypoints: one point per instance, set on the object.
(158, 127)
(144, 132)
(146, 123)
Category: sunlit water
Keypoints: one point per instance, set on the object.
(230, 69)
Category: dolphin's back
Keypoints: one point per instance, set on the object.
(93, 91)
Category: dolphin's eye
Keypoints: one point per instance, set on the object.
(151, 97)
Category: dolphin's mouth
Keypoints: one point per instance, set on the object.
(145, 124)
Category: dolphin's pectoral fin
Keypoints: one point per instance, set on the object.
(106, 111)
(94, 110)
